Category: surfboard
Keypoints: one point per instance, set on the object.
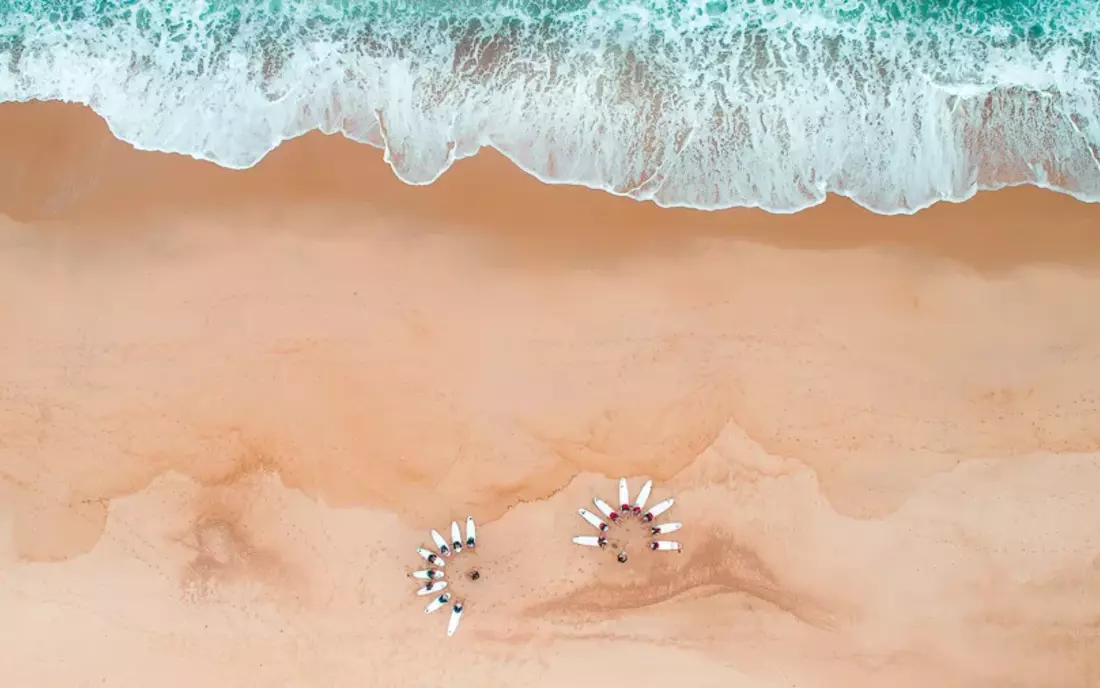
(605, 509)
(437, 603)
(430, 556)
(659, 509)
(456, 537)
(471, 532)
(639, 503)
(592, 518)
(666, 528)
(456, 616)
(624, 496)
(664, 546)
(441, 543)
(430, 574)
(590, 540)
(431, 587)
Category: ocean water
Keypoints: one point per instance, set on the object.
(703, 103)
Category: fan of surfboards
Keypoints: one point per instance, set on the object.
(627, 509)
(434, 576)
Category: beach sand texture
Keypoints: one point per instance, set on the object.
(234, 402)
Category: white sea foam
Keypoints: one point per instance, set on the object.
(682, 104)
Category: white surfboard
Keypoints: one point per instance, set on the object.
(664, 546)
(639, 503)
(666, 528)
(624, 496)
(659, 508)
(431, 587)
(437, 603)
(430, 574)
(592, 518)
(590, 540)
(441, 543)
(456, 537)
(605, 509)
(456, 616)
(471, 532)
(431, 557)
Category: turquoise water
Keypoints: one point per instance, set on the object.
(702, 103)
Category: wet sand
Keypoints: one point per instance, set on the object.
(233, 404)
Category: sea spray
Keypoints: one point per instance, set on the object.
(709, 104)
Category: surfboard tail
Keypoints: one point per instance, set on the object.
(624, 496)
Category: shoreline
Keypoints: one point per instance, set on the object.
(127, 185)
(493, 152)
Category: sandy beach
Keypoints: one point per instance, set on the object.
(233, 403)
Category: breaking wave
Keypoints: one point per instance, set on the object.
(701, 103)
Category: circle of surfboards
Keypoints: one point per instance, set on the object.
(434, 576)
(627, 510)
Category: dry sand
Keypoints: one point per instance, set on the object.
(233, 403)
